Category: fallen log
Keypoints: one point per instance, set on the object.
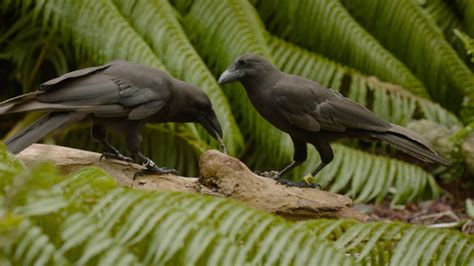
(221, 176)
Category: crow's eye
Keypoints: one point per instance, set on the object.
(243, 62)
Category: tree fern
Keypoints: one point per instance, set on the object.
(325, 27)
(431, 57)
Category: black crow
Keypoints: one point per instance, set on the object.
(120, 95)
(311, 113)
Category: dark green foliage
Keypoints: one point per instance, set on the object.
(195, 40)
(343, 40)
(431, 58)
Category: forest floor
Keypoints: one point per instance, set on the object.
(447, 212)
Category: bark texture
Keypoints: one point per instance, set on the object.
(221, 176)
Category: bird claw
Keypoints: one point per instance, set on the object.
(115, 156)
(300, 184)
(155, 171)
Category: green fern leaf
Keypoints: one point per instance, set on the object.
(325, 27)
(431, 57)
(446, 17)
(466, 8)
(385, 243)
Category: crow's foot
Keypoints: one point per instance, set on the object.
(115, 156)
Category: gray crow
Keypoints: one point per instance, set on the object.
(311, 113)
(121, 96)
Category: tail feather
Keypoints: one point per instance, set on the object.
(5, 106)
(411, 143)
(36, 131)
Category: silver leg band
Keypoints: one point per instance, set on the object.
(149, 163)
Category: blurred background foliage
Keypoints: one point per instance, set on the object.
(409, 61)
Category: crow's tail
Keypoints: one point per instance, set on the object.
(7, 105)
(36, 131)
(411, 143)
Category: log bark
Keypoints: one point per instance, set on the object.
(220, 175)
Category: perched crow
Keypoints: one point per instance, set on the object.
(310, 113)
(120, 95)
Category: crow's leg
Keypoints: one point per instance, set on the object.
(299, 156)
(133, 143)
(99, 134)
(326, 154)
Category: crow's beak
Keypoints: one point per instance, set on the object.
(231, 74)
(211, 124)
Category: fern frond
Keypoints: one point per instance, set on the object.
(33, 246)
(468, 43)
(446, 17)
(466, 8)
(388, 243)
(31, 49)
(325, 27)
(424, 49)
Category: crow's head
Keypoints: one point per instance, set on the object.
(198, 108)
(246, 66)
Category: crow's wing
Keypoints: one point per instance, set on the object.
(71, 75)
(311, 107)
(103, 93)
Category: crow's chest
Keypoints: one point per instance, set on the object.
(268, 108)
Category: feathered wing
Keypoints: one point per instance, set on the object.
(92, 91)
(311, 107)
(297, 97)
(78, 94)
